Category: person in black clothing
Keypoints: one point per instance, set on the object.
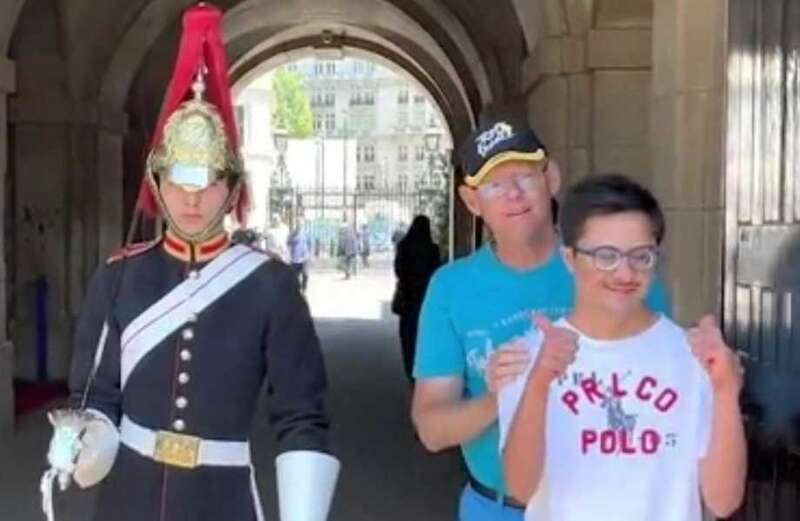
(416, 259)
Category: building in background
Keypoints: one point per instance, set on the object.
(377, 157)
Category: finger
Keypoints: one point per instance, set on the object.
(509, 354)
(705, 357)
(497, 384)
(698, 343)
(502, 382)
(708, 326)
(543, 323)
(700, 347)
(705, 361)
(564, 358)
(560, 359)
(740, 367)
(700, 337)
(509, 370)
(515, 368)
(562, 333)
(565, 344)
(518, 344)
(707, 322)
(499, 357)
(510, 351)
(507, 364)
(560, 344)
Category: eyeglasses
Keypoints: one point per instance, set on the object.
(609, 258)
(525, 183)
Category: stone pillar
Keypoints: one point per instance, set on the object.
(7, 82)
(588, 84)
(68, 217)
(545, 81)
(620, 59)
(110, 176)
(686, 142)
(636, 86)
(43, 232)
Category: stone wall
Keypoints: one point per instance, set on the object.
(588, 85)
(66, 178)
(625, 85)
(686, 138)
(635, 86)
(7, 83)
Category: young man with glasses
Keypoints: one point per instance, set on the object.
(485, 300)
(622, 415)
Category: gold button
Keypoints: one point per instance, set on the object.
(181, 402)
(179, 425)
(183, 378)
(185, 355)
(188, 334)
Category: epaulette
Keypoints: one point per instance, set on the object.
(132, 250)
(273, 255)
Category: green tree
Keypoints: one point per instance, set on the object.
(293, 109)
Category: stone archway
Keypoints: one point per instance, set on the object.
(609, 84)
(104, 108)
(395, 199)
(255, 32)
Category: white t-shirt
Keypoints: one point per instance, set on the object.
(625, 430)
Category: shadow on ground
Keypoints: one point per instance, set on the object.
(386, 476)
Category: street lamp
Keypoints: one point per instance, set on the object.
(433, 137)
(280, 137)
(437, 186)
(433, 140)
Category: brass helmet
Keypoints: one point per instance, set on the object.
(195, 142)
(194, 151)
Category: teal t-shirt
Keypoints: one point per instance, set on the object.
(474, 305)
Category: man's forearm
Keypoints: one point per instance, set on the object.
(724, 469)
(523, 455)
(449, 424)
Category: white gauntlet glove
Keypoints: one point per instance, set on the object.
(100, 442)
(306, 482)
(83, 447)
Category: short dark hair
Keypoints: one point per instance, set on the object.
(607, 194)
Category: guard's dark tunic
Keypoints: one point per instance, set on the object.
(207, 379)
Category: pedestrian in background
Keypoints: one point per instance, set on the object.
(416, 259)
(364, 246)
(299, 245)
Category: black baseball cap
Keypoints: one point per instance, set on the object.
(495, 143)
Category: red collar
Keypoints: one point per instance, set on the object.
(195, 252)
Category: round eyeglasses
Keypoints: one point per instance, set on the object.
(609, 258)
(525, 182)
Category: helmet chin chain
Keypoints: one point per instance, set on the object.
(214, 227)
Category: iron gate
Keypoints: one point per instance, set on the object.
(762, 253)
(381, 214)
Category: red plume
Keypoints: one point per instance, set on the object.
(201, 43)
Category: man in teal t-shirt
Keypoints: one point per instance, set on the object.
(480, 302)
